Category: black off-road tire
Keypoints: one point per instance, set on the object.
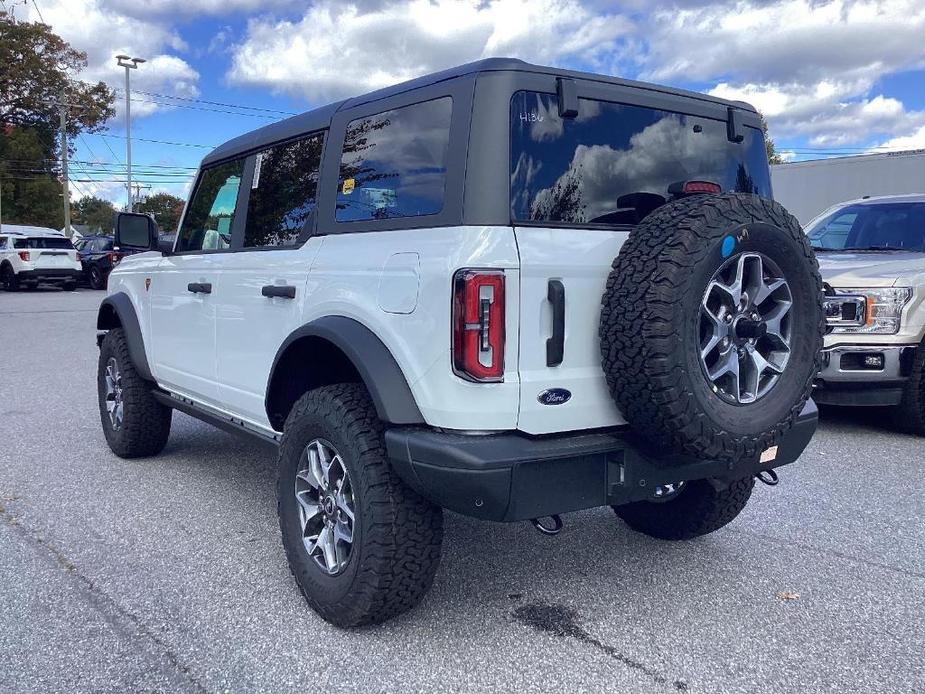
(698, 509)
(146, 423)
(9, 279)
(909, 415)
(397, 533)
(96, 279)
(649, 326)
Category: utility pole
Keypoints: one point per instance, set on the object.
(128, 63)
(62, 114)
(138, 189)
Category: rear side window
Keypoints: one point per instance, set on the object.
(614, 163)
(44, 242)
(283, 192)
(210, 213)
(394, 163)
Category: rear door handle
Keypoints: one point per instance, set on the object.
(199, 287)
(281, 291)
(555, 345)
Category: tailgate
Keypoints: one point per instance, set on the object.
(54, 258)
(580, 259)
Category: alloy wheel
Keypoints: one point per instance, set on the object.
(326, 506)
(115, 406)
(744, 328)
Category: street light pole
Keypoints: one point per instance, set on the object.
(129, 64)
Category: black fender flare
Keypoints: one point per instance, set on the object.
(117, 311)
(378, 369)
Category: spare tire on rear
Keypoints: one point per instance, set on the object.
(712, 324)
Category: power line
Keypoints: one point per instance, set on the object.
(214, 103)
(159, 142)
(199, 108)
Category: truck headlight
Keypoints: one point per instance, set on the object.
(882, 310)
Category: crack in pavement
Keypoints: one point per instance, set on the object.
(824, 550)
(99, 600)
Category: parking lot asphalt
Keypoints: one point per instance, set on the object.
(167, 574)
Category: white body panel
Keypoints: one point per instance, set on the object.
(581, 259)
(219, 348)
(251, 327)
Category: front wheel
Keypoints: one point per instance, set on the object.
(688, 509)
(362, 545)
(134, 423)
(909, 415)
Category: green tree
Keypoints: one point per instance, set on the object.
(37, 68)
(773, 156)
(95, 212)
(166, 209)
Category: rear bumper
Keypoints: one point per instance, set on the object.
(512, 476)
(48, 275)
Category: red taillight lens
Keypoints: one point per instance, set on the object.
(114, 258)
(701, 187)
(24, 255)
(478, 325)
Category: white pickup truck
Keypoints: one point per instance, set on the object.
(872, 256)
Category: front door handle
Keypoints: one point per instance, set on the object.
(281, 291)
(199, 287)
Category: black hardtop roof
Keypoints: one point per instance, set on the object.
(320, 118)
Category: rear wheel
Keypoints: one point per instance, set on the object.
(134, 423)
(97, 281)
(362, 545)
(687, 509)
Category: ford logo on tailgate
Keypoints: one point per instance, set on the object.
(554, 396)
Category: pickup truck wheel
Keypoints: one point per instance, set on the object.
(96, 279)
(134, 423)
(711, 326)
(10, 282)
(688, 510)
(362, 545)
(909, 415)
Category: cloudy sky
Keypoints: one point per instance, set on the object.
(845, 76)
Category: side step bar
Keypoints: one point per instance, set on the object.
(215, 418)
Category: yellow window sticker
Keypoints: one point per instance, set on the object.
(349, 185)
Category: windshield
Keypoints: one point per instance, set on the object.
(614, 163)
(878, 226)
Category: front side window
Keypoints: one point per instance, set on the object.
(283, 192)
(394, 163)
(210, 214)
(614, 163)
(870, 227)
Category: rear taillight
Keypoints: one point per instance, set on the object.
(114, 258)
(478, 325)
(24, 255)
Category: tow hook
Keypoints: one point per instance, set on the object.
(545, 530)
(769, 477)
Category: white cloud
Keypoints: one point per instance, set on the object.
(916, 140)
(102, 32)
(338, 49)
(810, 67)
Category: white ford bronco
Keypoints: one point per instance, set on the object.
(872, 257)
(504, 290)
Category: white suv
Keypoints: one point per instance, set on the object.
(505, 290)
(33, 255)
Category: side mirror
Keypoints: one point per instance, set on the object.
(135, 231)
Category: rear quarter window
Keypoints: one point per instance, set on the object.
(614, 163)
(394, 163)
